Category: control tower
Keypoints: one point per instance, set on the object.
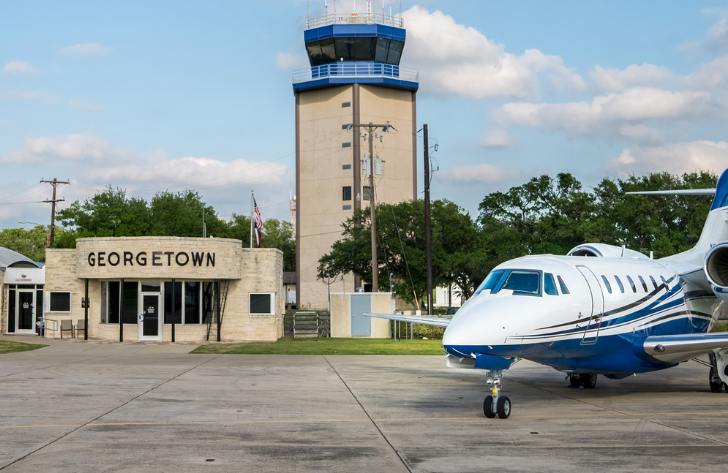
(354, 79)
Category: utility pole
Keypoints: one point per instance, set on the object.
(53, 201)
(375, 263)
(428, 226)
(372, 205)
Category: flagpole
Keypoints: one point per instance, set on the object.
(251, 218)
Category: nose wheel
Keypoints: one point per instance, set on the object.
(495, 404)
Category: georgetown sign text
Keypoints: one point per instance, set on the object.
(153, 258)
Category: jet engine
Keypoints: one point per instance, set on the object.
(716, 270)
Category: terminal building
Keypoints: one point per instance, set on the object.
(149, 289)
(354, 79)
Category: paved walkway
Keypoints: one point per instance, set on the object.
(129, 407)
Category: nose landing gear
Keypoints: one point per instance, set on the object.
(496, 404)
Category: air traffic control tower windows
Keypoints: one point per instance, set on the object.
(327, 51)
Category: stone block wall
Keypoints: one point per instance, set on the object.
(243, 270)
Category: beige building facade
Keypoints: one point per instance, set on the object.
(328, 170)
(165, 289)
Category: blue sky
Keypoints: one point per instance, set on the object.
(161, 95)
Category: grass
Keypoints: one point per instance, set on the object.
(720, 327)
(327, 346)
(12, 347)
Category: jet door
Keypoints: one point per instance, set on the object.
(591, 333)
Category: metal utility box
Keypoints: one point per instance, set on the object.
(348, 319)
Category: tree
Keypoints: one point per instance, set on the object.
(181, 215)
(108, 213)
(277, 234)
(30, 243)
(457, 246)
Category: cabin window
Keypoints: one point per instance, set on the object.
(631, 283)
(549, 286)
(654, 283)
(606, 283)
(663, 280)
(644, 284)
(523, 282)
(491, 281)
(619, 283)
(564, 289)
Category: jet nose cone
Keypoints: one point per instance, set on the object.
(464, 327)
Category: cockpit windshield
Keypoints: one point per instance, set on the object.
(523, 282)
(491, 281)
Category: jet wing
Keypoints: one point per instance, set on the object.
(679, 348)
(433, 321)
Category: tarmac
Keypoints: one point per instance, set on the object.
(87, 406)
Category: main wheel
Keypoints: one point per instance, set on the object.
(504, 407)
(590, 381)
(488, 407)
(575, 379)
(714, 387)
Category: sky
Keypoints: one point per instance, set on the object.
(174, 95)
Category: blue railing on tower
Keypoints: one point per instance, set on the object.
(354, 19)
(356, 69)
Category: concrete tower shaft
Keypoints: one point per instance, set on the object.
(354, 79)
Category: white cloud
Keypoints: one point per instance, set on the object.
(607, 113)
(17, 94)
(291, 61)
(204, 172)
(19, 67)
(497, 139)
(634, 75)
(718, 33)
(456, 59)
(78, 147)
(86, 49)
(85, 106)
(96, 162)
(640, 133)
(479, 173)
(675, 158)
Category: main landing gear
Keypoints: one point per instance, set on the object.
(586, 381)
(496, 404)
(716, 383)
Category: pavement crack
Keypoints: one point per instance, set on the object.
(396, 452)
(106, 413)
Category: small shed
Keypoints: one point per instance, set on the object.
(348, 319)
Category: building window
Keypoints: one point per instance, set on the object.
(346, 207)
(345, 126)
(346, 145)
(346, 104)
(59, 301)
(346, 166)
(262, 304)
(346, 193)
(168, 302)
(366, 193)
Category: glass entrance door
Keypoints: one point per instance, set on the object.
(149, 323)
(26, 316)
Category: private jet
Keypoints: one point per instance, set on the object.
(601, 309)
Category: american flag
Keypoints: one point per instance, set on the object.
(258, 221)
